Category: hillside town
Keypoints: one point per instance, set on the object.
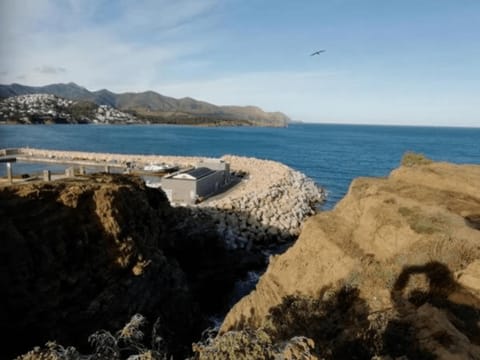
(47, 108)
(147, 107)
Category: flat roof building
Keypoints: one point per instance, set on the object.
(195, 184)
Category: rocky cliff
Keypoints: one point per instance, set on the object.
(86, 254)
(393, 270)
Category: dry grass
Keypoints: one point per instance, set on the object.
(128, 343)
(242, 345)
(412, 159)
(456, 253)
(421, 223)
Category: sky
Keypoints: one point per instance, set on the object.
(408, 62)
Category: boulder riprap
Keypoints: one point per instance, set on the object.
(269, 206)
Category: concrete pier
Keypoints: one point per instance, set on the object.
(8, 160)
(76, 164)
(47, 175)
(70, 172)
(9, 172)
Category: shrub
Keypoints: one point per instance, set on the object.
(412, 159)
(236, 345)
(421, 223)
(336, 321)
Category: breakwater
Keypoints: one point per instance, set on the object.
(268, 205)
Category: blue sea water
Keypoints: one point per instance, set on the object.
(330, 154)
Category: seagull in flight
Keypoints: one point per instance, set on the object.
(317, 52)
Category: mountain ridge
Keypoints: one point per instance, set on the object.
(155, 107)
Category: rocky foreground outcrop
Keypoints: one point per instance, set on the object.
(393, 270)
(85, 254)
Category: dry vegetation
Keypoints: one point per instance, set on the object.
(412, 159)
(128, 343)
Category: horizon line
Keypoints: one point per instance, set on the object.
(298, 122)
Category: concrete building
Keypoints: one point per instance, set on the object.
(190, 186)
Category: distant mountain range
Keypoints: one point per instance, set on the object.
(156, 108)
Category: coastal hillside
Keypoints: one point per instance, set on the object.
(51, 109)
(156, 108)
(392, 271)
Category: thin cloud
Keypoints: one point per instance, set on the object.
(163, 14)
(120, 45)
(45, 69)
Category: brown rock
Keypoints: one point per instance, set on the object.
(82, 255)
(399, 240)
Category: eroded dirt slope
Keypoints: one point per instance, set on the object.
(399, 256)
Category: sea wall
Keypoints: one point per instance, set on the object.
(268, 206)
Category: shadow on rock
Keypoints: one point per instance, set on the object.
(426, 312)
(330, 320)
(432, 318)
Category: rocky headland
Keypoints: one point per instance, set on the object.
(393, 271)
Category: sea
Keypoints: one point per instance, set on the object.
(332, 155)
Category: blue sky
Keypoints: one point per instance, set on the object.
(412, 62)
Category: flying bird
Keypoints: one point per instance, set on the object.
(317, 52)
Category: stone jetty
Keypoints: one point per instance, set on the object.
(269, 205)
